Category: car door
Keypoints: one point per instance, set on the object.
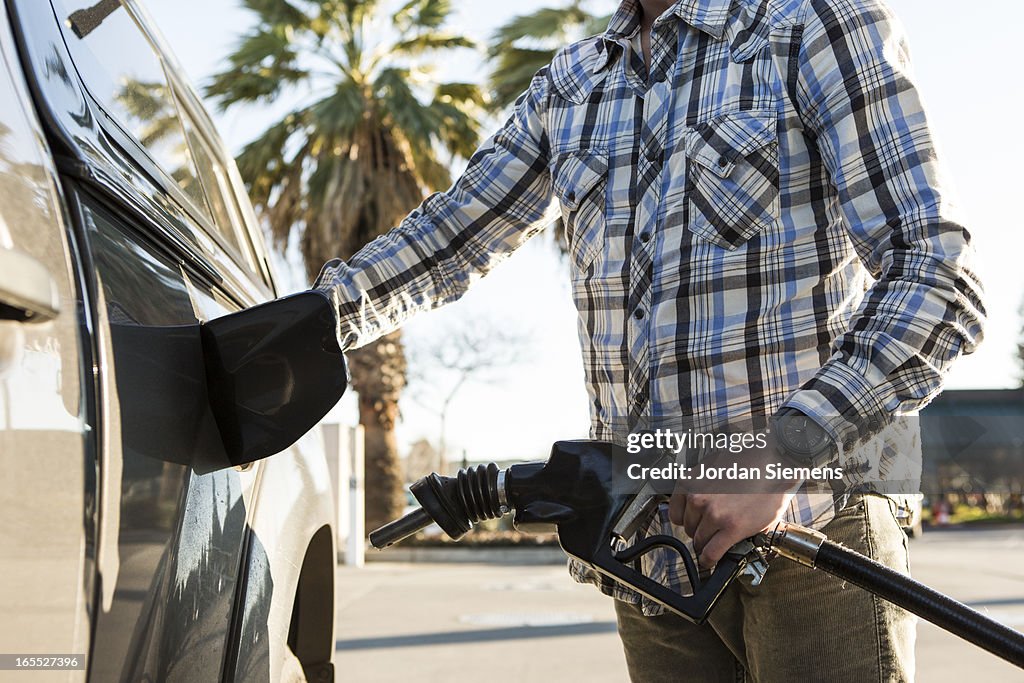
(167, 597)
(47, 459)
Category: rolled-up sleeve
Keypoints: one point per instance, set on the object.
(454, 237)
(924, 309)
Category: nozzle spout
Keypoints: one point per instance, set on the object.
(454, 503)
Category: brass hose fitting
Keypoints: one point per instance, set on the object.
(796, 543)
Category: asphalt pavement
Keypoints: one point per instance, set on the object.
(454, 622)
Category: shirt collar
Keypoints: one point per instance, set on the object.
(706, 15)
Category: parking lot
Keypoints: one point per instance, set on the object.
(403, 621)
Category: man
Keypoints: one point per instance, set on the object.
(758, 235)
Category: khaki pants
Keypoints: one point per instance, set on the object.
(799, 625)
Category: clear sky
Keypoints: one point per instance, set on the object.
(966, 63)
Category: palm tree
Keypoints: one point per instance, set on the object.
(528, 42)
(368, 138)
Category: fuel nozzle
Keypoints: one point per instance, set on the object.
(573, 490)
(573, 493)
(454, 503)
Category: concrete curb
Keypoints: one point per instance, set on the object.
(972, 526)
(468, 555)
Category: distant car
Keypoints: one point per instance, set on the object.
(123, 222)
(912, 523)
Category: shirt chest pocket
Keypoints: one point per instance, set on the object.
(733, 183)
(579, 181)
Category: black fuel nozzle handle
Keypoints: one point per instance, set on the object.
(573, 491)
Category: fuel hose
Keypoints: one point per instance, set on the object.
(813, 549)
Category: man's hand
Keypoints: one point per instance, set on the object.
(717, 521)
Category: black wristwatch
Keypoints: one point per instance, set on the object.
(801, 438)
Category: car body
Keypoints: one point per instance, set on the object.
(122, 222)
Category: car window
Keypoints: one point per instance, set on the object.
(124, 73)
(218, 192)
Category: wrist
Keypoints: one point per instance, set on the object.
(801, 440)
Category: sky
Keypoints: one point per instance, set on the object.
(969, 79)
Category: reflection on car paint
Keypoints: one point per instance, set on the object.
(181, 533)
(46, 491)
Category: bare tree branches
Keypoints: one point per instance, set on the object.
(440, 367)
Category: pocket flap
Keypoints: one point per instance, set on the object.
(719, 143)
(576, 173)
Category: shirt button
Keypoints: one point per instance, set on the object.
(638, 398)
(570, 196)
(638, 314)
(645, 237)
(722, 162)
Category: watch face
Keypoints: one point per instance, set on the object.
(802, 434)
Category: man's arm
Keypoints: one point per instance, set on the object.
(924, 310)
(454, 237)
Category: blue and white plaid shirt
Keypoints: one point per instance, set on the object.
(759, 220)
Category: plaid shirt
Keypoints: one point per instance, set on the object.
(757, 221)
